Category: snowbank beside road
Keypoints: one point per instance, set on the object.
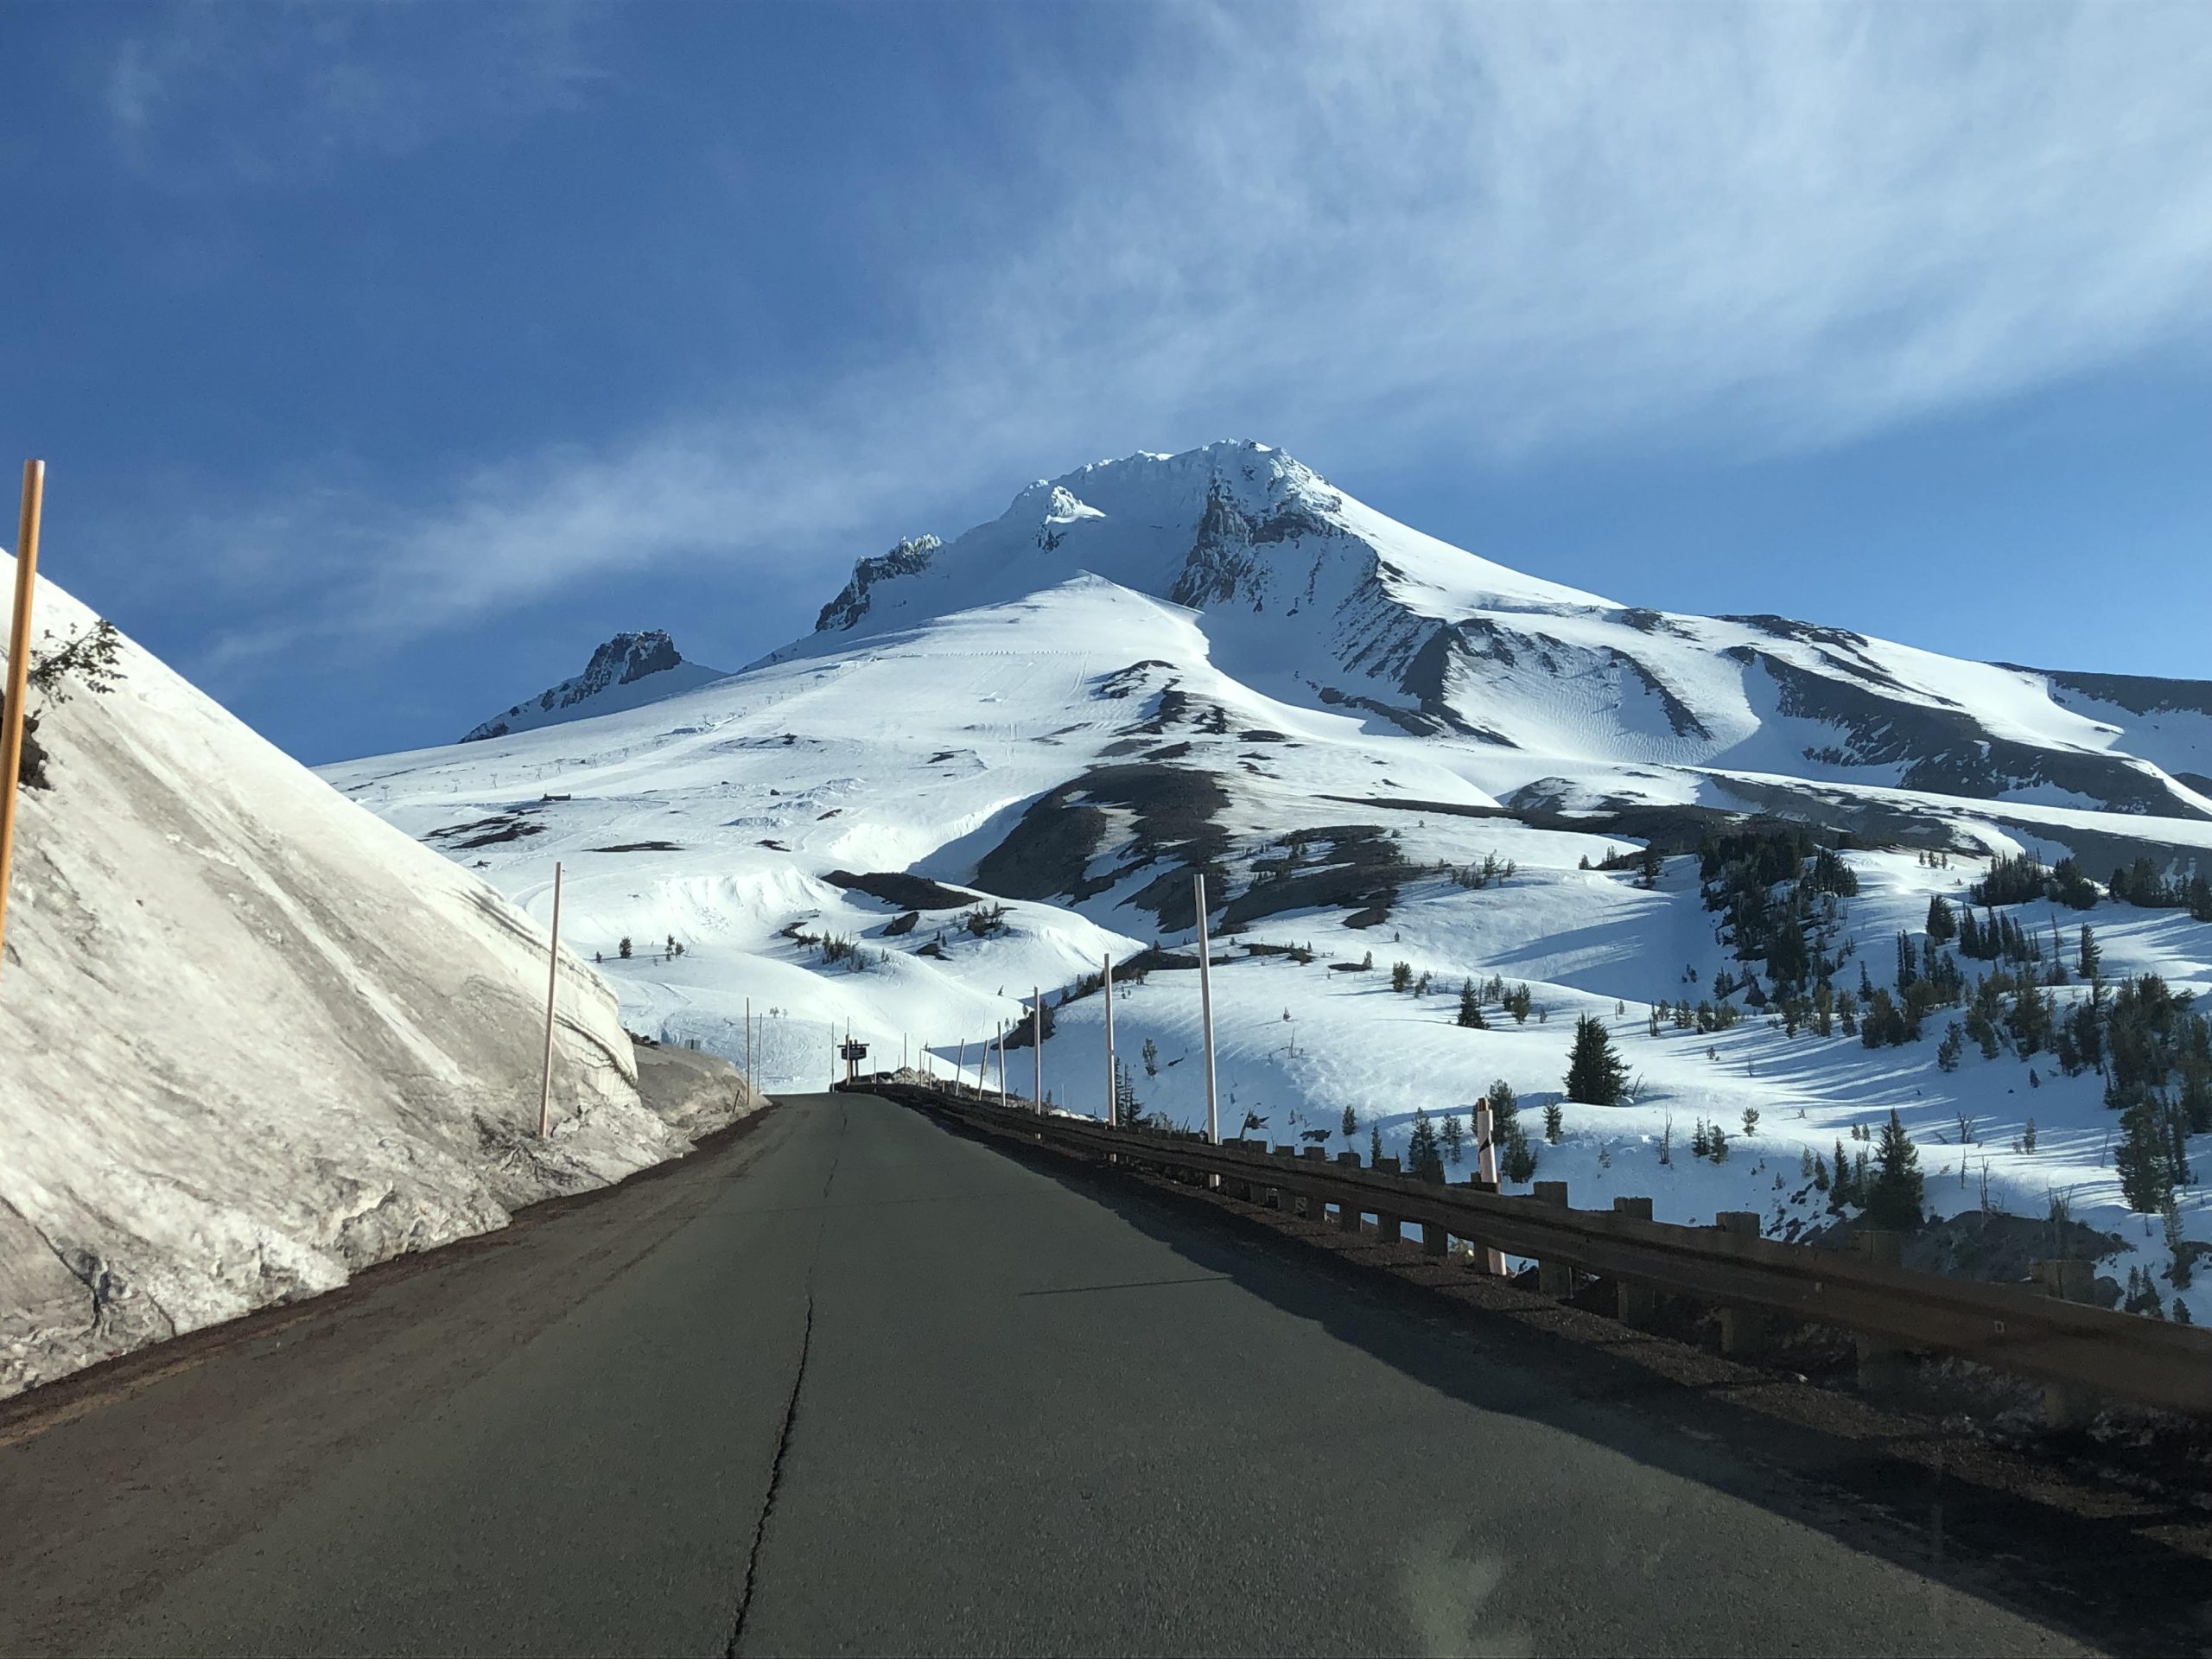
(253, 1039)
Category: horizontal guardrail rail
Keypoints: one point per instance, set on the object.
(2070, 1345)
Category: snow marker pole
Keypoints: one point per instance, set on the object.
(960, 1066)
(19, 675)
(552, 985)
(748, 1048)
(1001, 1039)
(1112, 1115)
(1206, 1006)
(1037, 1036)
(1486, 1171)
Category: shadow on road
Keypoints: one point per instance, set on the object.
(2123, 1572)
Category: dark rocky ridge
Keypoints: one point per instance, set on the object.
(623, 660)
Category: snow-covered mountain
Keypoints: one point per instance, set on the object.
(252, 1039)
(628, 671)
(998, 758)
(1310, 594)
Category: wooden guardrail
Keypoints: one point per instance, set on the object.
(2075, 1349)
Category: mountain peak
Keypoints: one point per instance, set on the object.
(629, 669)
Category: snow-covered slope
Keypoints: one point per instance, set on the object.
(999, 758)
(627, 671)
(252, 1038)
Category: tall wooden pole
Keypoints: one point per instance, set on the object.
(1486, 1171)
(1205, 1008)
(19, 678)
(552, 985)
(1113, 1115)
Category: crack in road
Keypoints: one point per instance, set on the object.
(1134, 1284)
(791, 1413)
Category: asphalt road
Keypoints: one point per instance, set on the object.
(854, 1382)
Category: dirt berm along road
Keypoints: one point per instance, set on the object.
(849, 1380)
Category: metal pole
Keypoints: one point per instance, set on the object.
(19, 677)
(960, 1067)
(1001, 1039)
(1113, 1115)
(1205, 1008)
(552, 984)
(1037, 1032)
(748, 1048)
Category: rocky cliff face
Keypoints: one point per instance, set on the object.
(628, 669)
(910, 557)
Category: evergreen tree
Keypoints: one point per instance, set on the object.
(623, 949)
(1894, 1198)
(1350, 1125)
(1954, 1044)
(1470, 1007)
(1401, 976)
(1424, 1152)
(1516, 1158)
(1554, 1122)
(1595, 1075)
(1943, 927)
(1128, 1110)
(1373, 1145)
(1152, 1059)
(2091, 958)
(2179, 1243)
(1820, 1174)
(2145, 1178)
(1455, 1140)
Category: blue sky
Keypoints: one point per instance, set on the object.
(387, 358)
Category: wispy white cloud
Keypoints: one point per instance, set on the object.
(215, 95)
(1405, 231)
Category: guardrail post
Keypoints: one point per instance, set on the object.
(1744, 1331)
(1487, 1258)
(1348, 1214)
(1315, 1209)
(1636, 1303)
(1281, 1196)
(1244, 1189)
(1553, 1278)
(1434, 1240)
(1882, 1365)
(1388, 1226)
(2066, 1405)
